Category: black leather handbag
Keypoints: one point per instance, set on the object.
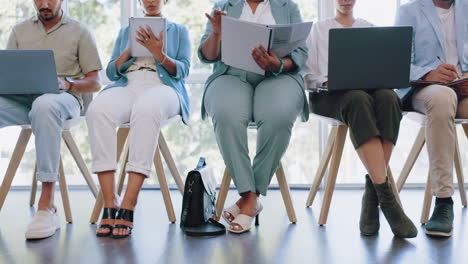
(199, 203)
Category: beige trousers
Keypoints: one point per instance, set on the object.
(441, 106)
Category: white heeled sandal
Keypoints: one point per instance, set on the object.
(233, 210)
(245, 222)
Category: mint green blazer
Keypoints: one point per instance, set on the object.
(284, 12)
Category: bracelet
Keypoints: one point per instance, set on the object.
(280, 69)
(162, 62)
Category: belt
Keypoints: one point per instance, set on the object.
(142, 69)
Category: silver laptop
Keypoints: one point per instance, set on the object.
(27, 72)
(369, 58)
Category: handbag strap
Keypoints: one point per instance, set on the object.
(201, 163)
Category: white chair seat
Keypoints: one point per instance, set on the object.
(421, 118)
(67, 125)
(328, 120)
(163, 124)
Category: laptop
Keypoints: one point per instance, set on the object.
(369, 58)
(28, 72)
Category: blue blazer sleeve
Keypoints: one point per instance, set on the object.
(184, 54)
(300, 54)
(208, 30)
(112, 72)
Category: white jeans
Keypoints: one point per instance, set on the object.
(144, 103)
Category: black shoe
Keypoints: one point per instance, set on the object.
(441, 222)
(126, 215)
(107, 213)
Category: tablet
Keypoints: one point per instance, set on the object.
(155, 23)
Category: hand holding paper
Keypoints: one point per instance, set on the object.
(268, 61)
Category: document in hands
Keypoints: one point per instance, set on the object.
(238, 38)
(156, 24)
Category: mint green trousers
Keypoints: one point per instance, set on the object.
(237, 98)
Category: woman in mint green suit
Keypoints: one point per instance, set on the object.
(233, 98)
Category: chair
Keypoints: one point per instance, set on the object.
(67, 137)
(414, 154)
(122, 155)
(283, 184)
(333, 151)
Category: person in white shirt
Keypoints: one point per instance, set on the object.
(233, 98)
(373, 118)
(440, 53)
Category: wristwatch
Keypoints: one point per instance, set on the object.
(280, 69)
(71, 81)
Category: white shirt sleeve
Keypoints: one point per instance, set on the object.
(314, 76)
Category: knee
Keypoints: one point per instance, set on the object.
(43, 108)
(443, 104)
(144, 111)
(276, 121)
(358, 101)
(386, 98)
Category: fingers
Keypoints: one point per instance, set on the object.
(449, 70)
(143, 32)
(150, 32)
(264, 51)
(218, 13)
(141, 42)
(259, 58)
(447, 74)
(140, 36)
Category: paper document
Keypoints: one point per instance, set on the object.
(238, 38)
(156, 24)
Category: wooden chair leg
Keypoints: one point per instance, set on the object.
(122, 134)
(163, 185)
(460, 176)
(73, 148)
(32, 199)
(284, 187)
(122, 172)
(412, 157)
(465, 128)
(391, 180)
(170, 163)
(334, 166)
(427, 202)
(223, 191)
(64, 193)
(15, 160)
(322, 166)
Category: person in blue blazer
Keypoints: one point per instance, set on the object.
(440, 54)
(145, 92)
(233, 98)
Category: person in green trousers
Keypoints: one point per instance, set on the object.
(373, 118)
(233, 98)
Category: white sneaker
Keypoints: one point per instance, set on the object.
(44, 224)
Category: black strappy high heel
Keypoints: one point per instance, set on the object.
(107, 213)
(126, 215)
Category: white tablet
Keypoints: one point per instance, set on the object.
(156, 24)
